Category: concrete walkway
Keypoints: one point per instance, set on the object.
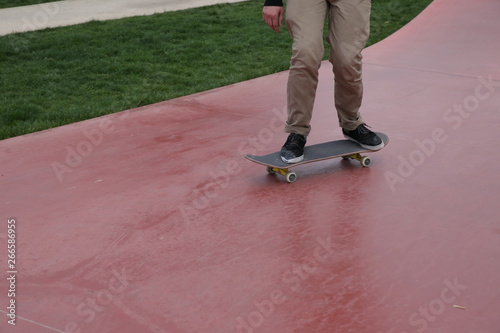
(63, 13)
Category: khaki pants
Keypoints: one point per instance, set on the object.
(348, 31)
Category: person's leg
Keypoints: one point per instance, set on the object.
(305, 21)
(349, 28)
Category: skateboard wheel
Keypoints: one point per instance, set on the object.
(270, 170)
(366, 161)
(291, 177)
(345, 158)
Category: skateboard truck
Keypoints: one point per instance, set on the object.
(291, 176)
(364, 160)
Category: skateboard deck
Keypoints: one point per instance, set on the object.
(323, 151)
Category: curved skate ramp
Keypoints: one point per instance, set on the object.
(150, 220)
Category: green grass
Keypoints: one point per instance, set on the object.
(18, 3)
(58, 76)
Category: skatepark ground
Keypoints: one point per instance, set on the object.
(150, 220)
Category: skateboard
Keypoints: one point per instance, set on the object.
(323, 151)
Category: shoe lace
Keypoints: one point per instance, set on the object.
(363, 129)
(294, 140)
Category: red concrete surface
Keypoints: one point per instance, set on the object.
(151, 221)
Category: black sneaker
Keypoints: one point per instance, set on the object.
(364, 137)
(293, 149)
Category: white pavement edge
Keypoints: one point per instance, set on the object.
(70, 12)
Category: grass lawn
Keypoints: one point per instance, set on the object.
(58, 76)
(18, 3)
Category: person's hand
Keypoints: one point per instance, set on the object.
(273, 16)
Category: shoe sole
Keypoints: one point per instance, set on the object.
(293, 160)
(378, 147)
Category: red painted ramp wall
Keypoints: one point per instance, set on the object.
(150, 220)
